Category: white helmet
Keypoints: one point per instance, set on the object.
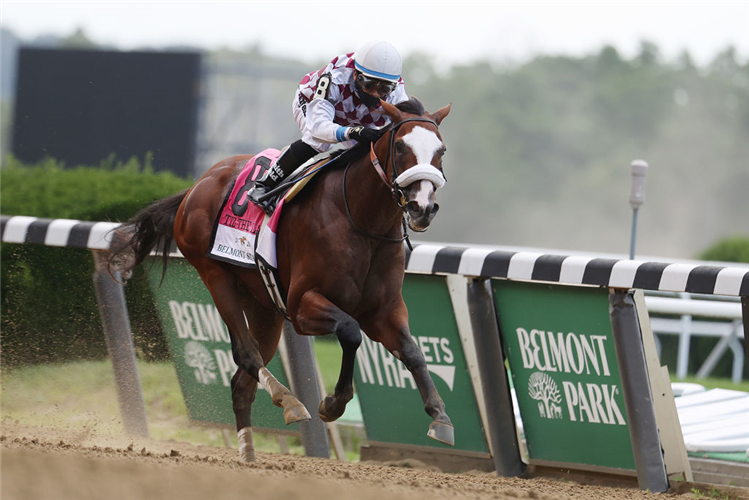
(379, 60)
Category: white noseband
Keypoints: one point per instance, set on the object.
(422, 172)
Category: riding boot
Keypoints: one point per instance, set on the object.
(285, 164)
(291, 158)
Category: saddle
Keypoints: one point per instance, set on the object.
(295, 182)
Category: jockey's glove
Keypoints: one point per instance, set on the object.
(364, 134)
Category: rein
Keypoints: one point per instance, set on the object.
(366, 233)
(391, 184)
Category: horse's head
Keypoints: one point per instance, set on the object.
(414, 159)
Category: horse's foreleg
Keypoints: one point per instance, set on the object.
(441, 429)
(318, 316)
(393, 333)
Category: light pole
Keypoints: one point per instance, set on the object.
(636, 198)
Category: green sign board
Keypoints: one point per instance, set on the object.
(560, 348)
(201, 350)
(392, 408)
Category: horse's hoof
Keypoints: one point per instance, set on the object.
(321, 412)
(444, 433)
(296, 413)
(324, 414)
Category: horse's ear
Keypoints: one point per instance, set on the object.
(393, 112)
(441, 113)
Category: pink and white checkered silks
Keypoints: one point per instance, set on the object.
(319, 119)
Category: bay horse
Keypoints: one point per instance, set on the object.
(341, 260)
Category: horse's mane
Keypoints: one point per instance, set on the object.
(413, 106)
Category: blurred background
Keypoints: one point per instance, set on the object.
(107, 106)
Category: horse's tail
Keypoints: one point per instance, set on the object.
(150, 229)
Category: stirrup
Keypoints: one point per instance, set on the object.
(268, 205)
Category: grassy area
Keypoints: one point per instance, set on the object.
(716, 383)
(81, 396)
(328, 354)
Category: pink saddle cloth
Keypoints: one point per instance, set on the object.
(240, 222)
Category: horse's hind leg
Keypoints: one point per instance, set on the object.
(318, 316)
(245, 347)
(243, 391)
(265, 327)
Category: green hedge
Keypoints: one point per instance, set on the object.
(49, 311)
(733, 249)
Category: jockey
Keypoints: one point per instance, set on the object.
(340, 103)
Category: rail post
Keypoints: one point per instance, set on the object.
(638, 398)
(745, 318)
(110, 297)
(491, 362)
(304, 384)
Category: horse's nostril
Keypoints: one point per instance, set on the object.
(435, 208)
(413, 206)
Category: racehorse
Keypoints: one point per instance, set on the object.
(341, 260)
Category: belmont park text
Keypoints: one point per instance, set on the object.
(565, 353)
(571, 353)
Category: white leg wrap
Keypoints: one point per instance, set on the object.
(246, 445)
(264, 376)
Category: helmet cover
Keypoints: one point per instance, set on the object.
(379, 59)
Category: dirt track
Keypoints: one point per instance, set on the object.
(41, 463)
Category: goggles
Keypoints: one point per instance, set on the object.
(383, 87)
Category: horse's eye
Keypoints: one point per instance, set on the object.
(439, 154)
(401, 148)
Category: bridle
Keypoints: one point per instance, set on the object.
(391, 184)
(395, 189)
